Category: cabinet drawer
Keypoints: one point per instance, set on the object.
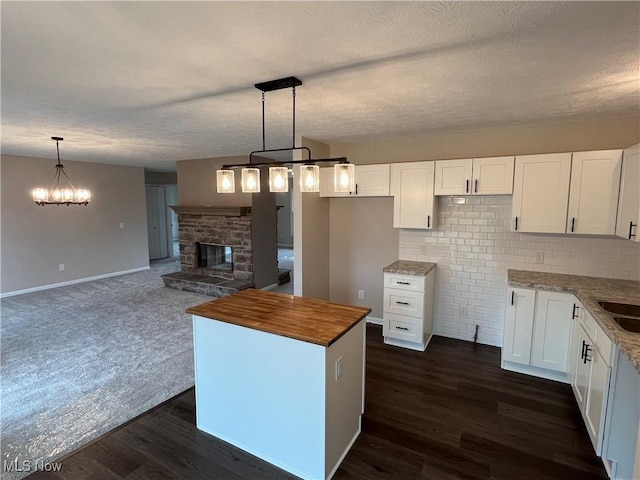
(403, 302)
(404, 282)
(403, 328)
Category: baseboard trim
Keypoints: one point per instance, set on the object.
(374, 320)
(71, 282)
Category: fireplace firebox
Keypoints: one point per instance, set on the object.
(216, 257)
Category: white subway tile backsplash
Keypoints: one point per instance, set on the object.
(474, 247)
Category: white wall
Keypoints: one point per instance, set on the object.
(88, 240)
(473, 248)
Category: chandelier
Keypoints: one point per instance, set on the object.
(57, 195)
(344, 172)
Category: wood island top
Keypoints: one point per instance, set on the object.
(306, 319)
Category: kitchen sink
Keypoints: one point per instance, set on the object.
(628, 323)
(625, 309)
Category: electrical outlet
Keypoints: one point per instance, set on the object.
(360, 294)
(463, 310)
(61, 267)
(338, 368)
(539, 257)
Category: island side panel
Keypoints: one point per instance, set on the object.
(263, 393)
(345, 396)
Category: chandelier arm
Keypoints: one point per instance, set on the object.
(68, 179)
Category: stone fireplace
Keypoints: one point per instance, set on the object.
(216, 250)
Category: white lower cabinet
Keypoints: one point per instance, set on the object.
(591, 381)
(537, 333)
(408, 310)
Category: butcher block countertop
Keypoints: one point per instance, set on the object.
(300, 318)
(590, 290)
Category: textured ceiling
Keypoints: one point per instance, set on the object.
(149, 83)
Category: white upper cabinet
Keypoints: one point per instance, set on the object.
(629, 201)
(493, 176)
(412, 189)
(593, 197)
(541, 192)
(474, 176)
(453, 177)
(371, 181)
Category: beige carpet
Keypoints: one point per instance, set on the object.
(78, 361)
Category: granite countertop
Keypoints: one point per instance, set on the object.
(408, 267)
(589, 290)
(306, 319)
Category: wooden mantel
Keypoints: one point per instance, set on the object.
(211, 210)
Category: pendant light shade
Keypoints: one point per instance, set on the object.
(60, 196)
(278, 179)
(309, 178)
(344, 177)
(226, 181)
(250, 180)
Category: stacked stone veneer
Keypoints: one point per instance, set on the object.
(234, 231)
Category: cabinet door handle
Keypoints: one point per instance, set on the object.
(516, 229)
(402, 328)
(403, 283)
(475, 186)
(402, 303)
(575, 307)
(513, 295)
(587, 348)
(356, 189)
(466, 189)
(428, 221)
(631, 225)
(573, 224)
(584, 344)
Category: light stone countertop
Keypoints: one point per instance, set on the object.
(590, 290)
(408, 267)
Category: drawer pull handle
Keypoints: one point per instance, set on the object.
(402, 303)
(575, 307)
(403, 283)
(402, 328)
(587, 348)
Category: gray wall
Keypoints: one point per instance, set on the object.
(160, 178)
(360, 249)
(88, 240)
(263, 232)
(285, 217)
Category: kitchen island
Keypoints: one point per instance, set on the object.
(281, 377)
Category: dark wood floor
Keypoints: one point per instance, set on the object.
(447, 413)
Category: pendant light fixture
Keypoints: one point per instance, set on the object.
(278, 179)
(57, 195)
(309, 178)
(278, 172)
(226, 181)
(344, 177)
(250, 180)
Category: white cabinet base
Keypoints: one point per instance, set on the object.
(419, 347)
(536, 372)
